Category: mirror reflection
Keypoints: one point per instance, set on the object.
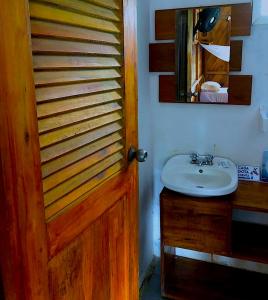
(203, 47)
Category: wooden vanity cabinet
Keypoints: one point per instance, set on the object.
(201, 224)
(206, 225)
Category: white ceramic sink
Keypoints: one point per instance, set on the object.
(201, 181)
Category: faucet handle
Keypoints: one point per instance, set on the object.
(194, 156)
(210, 158)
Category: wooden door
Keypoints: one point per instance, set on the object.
(68, 117)
(216, 69)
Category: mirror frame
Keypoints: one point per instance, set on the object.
(163, 56)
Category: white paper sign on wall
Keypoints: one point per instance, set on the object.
(249, 173)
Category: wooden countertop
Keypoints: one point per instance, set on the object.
(251, 196)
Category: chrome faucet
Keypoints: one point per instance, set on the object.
(202, 160)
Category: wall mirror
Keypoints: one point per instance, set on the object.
(201, 51)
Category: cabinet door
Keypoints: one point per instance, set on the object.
(198, 224)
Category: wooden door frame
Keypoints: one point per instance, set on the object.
(23, 249)
(23, 231)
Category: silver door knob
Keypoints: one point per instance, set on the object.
(140, 154)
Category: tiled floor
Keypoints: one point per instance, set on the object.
(151, 289)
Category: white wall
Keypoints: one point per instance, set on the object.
(231, 131)
(145, 141)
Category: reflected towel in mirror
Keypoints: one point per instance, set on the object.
(215, 97)
(222, 52)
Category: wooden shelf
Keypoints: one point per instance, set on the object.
(191, 279)
(252, 196)
(249, 242)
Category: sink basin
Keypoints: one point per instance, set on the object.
(200, 181)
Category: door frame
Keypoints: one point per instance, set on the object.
(24, 248)
(23, 230)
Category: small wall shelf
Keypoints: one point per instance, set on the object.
(205, 224)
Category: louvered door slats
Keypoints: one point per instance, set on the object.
(59, 77)
(86, 8)
(55, 107)
(49, 13)
(62, 134)
(68, 172)
(42, 62)
(63, 47)
(113, 4)
(46, 29)
(77, 61)
(77, 195)
(54, 122)
(74, 156)
(63, 91)
(79, 141)
(79, 179)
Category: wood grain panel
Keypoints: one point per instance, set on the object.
(167, 88)
(76, 142)
(99, 252)
(131, 138)
(23, 249)
(1, 289)
(162, 57)
(42, 62)
(241, 19)
(240, 89)
(54, 122)
(50, 93)
(165, 24)
(60, 77)
(46, 29)
(62, 230)
(85, 8)
(49, 46)
(251, 196)
(74, 156)
(215, 69)
(54, 14)
(197, 224)
(236, 55)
